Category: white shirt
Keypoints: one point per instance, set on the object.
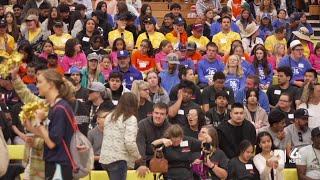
(246, 44)
(313, 110)
(309, 159)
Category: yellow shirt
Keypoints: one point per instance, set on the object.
(155, 39)
(60, 41)
(306, 50)
(171, 38)
(33, 35)
(271, 41)
(11, 44)
(127, 36)
(201, 42)
(224, 40)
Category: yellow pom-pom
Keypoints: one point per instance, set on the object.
(28, 111)
(10, 61)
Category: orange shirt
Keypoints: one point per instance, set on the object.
(236, 7)
(59, 69)
(245, 55)
(27, 80)
(195, 58)
(142, 62)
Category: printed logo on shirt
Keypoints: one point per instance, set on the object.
(185, 149)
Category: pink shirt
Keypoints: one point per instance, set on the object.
(79, 61)
(113, 56)
(106, 72)
(161, 58)
(315, 61)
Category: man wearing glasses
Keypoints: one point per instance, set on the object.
(284, 105)
(298, 63)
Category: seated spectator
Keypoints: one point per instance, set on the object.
(279, 36)
(169, 77)
(129, 72)
(194, 54)
(157, 92)
(143, 59)
(237, 7)
(53, 62)
(167, 24)
(81, 92)
(92, 72)
(217, 161)
(149, 130)
(120, 32)
(261, 68)
(195, 122)
(278, 53)
(311, 76)
(198, 38)
(237, 49)
(298, 63)
(235, 130)
(181, 51)
(175, 9)
(268, 160)
(13, 28)
(178, 109)
(250, 39)
(96, 45)
(8, 42)
(48, 49)
(104, 8)
(268, 8)
(77, 20)
(89, 29)
(179, 34)
(303, 36)
(17, 11)
(253, 112)
(59, 38)
(146, 11)
(202, 5)
(315, 58)
(242, 167)
(95, 136)
(281, 20)
(284, 105)
(235, 77)
(245, 20)
(102, 25)
(192, 13)
(116, 87)
(265, 28)
(186, 73)
(150, 33)
(307, 166)
(253, 81)
(165, 48)
(74, 56)
(225, 37)
(293, 25)
(48, 23)
(106, 66)
(200, 20)
(118, 45)
(209, 66)
(303, 21)
(310, 99)
(30, 77)
(141, 89)
(131, 27)
(209, 93)
(276, 127)
(220, 112)
(210, 17)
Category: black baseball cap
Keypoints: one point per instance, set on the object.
(315, 132)
(3, 23)
(149, 20)
(58, 23)
(54, 55)
(301, 113)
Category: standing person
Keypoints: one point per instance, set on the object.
(233, 131)
(268, 160)
(57, 93)
(311, 102)
(119, 138)
(157, 92)
(242, 167)
(141, 89)
(220, 111)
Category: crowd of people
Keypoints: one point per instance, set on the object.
(233, 95)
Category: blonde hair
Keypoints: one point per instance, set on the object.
(239, 72)
(136, 86)
(277, 46)
(173, 131)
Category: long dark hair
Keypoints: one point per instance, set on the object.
(122, 8)
(15, 30)
(51, 20)
(150, 52)
(249, 20)
(259, 136)
(201, 120)
(248, 92)
(114, 47)
(264, 62)
(269, 25)
(99, 5)
(244, 145)
(143, 13)
(127, 106)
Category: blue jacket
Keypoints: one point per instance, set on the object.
(263, 98)
(208, 68)
(168, 81)
(129, 76)
(298, 67)
(215, 28)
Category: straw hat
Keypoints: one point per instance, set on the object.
(251, 29)
(303, 33)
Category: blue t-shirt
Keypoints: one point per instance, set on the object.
(168, 81)
(263, 78)
(215, 28)
(129, 76)
(264, 33)
(240, 97)
(245, 67)
(276, 23)
(187, 62)
(208, 68)
(59, 129)
(235, 82)
(298, 67)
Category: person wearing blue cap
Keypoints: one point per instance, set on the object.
(81, 92)
(129, 72)
(266, 28)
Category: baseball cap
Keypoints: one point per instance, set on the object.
(123, 53)
(122, 16)
(74, 70)
(266, 15)
(149, 20)
(32, 17)
(295, 43)
(301, 113)
(294, 17)
(178, 21)
(58, 23)
(172, 58)
(182, 47)
(315, 132)
(54, 55)
(96, 87)
(3, 23)
(197, 27)
(192, 46)
(93, 56)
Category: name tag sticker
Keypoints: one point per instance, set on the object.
(181, 112)
(228, 92)
(184, 144)
(143, 64)
(115, 102)
(277, 92)
(300, 65)
(290, 116)
(86, 39)
(223, 41)
(249, 166)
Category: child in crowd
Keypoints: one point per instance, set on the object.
(315, 58)
(281, 20)
(143, 59)
(97, 43)
(165, 48)
(30, 77)
(118, 45)
(106, 66)
(265, 28)
(245, 20)
(278, 53)
(235, 78)
(261, 68)
(47, 49)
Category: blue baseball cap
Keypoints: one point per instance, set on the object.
(122, 54)
(74, 70)
(178, 21)
(266, 15)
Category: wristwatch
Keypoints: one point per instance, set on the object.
(214, 165)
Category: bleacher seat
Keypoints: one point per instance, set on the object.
(290, 174)
(131, 175)
(16, 152)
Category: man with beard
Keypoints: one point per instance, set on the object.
(169, 77)
(53, 63)
(129, 72)
(120, 32)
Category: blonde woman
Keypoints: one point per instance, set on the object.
(235, 77)
(279, 51)
(141, 89)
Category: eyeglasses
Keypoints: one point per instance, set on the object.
(299, 50)
(191, 115)
(300, 136)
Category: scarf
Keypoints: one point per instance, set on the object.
(183, 36)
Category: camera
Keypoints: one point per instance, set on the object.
(206, 146)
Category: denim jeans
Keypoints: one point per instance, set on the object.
(116, 170)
